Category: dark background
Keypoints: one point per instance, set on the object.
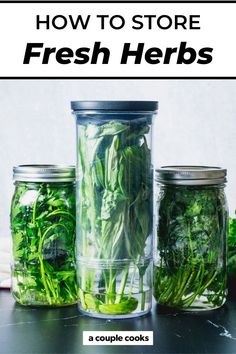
(55, 331)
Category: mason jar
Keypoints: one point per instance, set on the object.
(190, 238)
(231, 259)
(43, 234)
(114, 207)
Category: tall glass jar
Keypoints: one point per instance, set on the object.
(43, 234)
(114, 207)
(191, 237)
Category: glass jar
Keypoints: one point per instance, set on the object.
(191, 236)
(231, 261)
(114, 208)
(43, 234)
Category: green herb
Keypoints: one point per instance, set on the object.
(43, 232)
(232, 248)
(114, 213)
(191, 254)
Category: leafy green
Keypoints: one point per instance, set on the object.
(43, 232)
(191, 252)
(114, 212)
(124, 307)
(232, 248)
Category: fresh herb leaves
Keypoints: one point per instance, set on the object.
(114, 214)
(43, 232)
(191, 251)
(232, 248)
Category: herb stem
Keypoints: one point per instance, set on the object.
(143, 296)
(122, 284)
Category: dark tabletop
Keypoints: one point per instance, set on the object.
(37, 330)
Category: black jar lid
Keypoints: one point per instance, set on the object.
(44, 173)
(191, 175)
(125, 106)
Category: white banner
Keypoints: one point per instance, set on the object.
(117, 40)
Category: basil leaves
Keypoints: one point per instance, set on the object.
(114, 215)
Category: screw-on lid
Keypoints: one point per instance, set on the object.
(126, 106)
(191, 175)
(44, 173)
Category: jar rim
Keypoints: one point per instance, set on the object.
(191, 175)
(44, 173)
(125, 106)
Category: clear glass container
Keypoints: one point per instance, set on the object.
(191, 237)
(231, 259)
(114, 207)
(43, 234)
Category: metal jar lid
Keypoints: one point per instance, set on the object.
(191, 175)
(44, 173)
(125, 106)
